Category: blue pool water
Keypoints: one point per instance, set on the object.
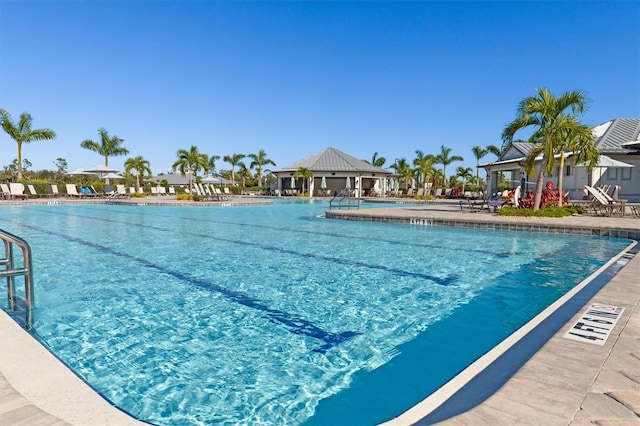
(274, 315)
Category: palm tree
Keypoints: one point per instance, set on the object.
(423, 167)
(210, 165)
(190, 162)
(444, 159)
(259, 161)
(464, 173)
(545, 113)
(479, 153)
(305, 174)
(580, 140)
(376, 161)
(107, 147)
(233, 159)
(244, 174)
(22, 132)
(403, 170)
(141, 166)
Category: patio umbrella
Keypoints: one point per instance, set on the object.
(323, 184)
(79, 172)
(293, 182)
(112, 176)
(348, 184)
(608, 162)
(101, 169)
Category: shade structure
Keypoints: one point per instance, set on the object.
(605, 161)
(293, 182)
(78, 172)
(100, 168)
(348, 183)
(112, 176)
(323, 184)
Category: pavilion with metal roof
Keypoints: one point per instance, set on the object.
(331, 168)
(617, 140)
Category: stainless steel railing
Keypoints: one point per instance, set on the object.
(13, 270)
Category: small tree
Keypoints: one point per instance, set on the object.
(141, 166)
(305, 174)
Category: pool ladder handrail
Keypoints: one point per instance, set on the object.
(344, 196)
(12, 271)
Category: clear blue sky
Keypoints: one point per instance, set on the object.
(295, 77)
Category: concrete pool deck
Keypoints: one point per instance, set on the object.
(565, 382)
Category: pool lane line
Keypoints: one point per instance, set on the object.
(280, 229)
(291, 322)
(336, 260)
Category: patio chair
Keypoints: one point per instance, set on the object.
(6, 193)
(600, 204)
(17, 190)
(53, 190)
(617, 205)
(72, 191)
(32, 191)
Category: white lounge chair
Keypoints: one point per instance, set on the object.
(6, 193)
(53, 190)
(602, 202)
(72, 191)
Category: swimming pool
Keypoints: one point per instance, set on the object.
(272, 314)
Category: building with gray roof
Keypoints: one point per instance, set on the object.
(333, 167)
(617, 140)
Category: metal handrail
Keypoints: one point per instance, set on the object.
(11, 271)
(342, 196)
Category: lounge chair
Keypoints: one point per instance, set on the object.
(602, 204)
(32, 191)
(172, 190)
(53, 190)
(72, 191)
(17, 190)
(6, 193)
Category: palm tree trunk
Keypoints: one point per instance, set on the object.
(560, 179)
(537, 198)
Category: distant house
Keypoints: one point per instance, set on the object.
(334, 167)
(172, 179)
(617, 140)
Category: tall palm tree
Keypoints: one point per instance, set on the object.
(581, 141)
(403, 170)
(190, 162)
(21, 132)
(479, 153)
(305, 174)
(545, 113)
(444, 159)
(464, 173)
(244, 174)
(423, 167)
(107, 147)
(141, 166)
(376, 161)
(259, 161)
(233, 159)
(210, 163)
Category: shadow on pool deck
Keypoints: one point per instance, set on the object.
(565, 382)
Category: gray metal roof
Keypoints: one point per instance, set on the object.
(332, 160)
(619, 131)
(516, 150)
